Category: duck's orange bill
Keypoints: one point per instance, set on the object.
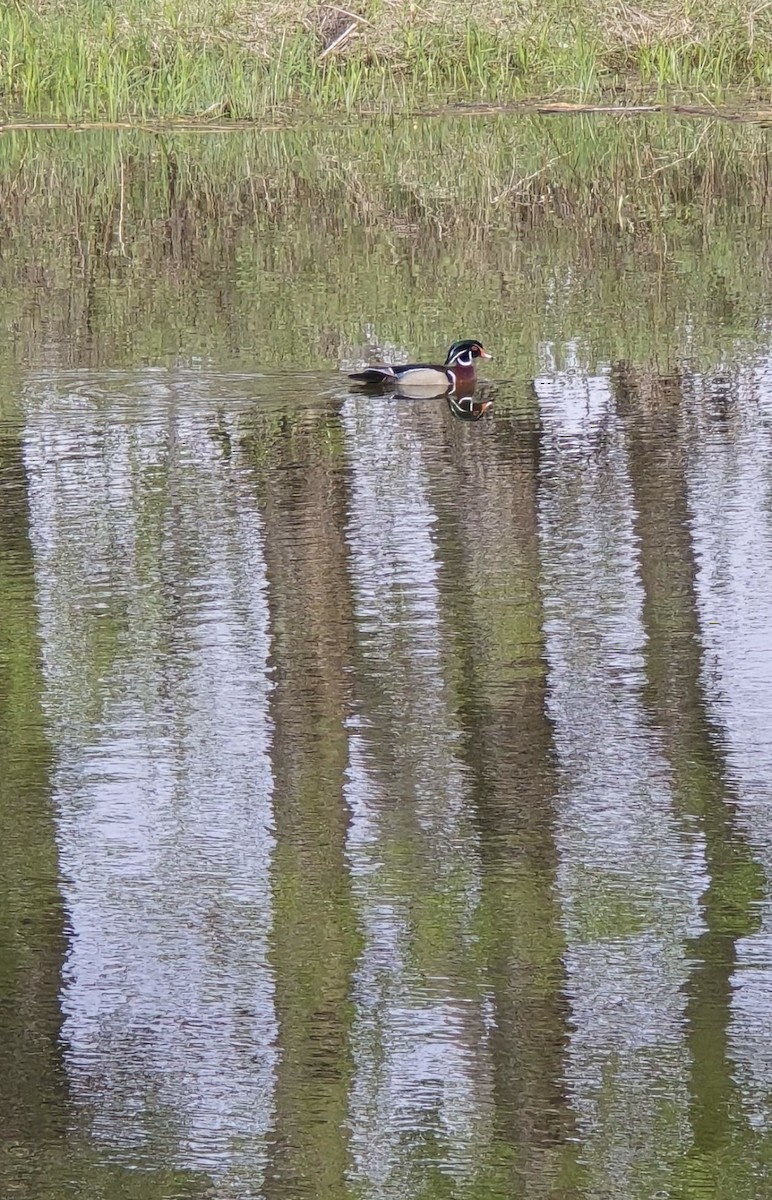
(484, 353)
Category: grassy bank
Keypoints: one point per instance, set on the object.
(130, 58)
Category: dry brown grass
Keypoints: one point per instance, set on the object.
(260, 26)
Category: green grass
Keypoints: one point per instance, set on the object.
(76, 59)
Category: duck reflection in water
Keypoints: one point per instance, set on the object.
(468, 407)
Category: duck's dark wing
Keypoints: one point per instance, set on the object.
(385, 374)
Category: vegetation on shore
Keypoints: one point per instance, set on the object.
(111, 60)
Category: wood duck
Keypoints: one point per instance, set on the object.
(423, 379)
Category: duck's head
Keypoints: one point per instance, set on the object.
(465, 352)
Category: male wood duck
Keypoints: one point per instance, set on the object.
(423, 379)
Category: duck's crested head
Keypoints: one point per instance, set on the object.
(465, 351)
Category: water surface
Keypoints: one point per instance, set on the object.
(385, 796)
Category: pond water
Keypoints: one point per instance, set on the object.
(386, 797)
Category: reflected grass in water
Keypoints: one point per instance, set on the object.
(290, 249)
